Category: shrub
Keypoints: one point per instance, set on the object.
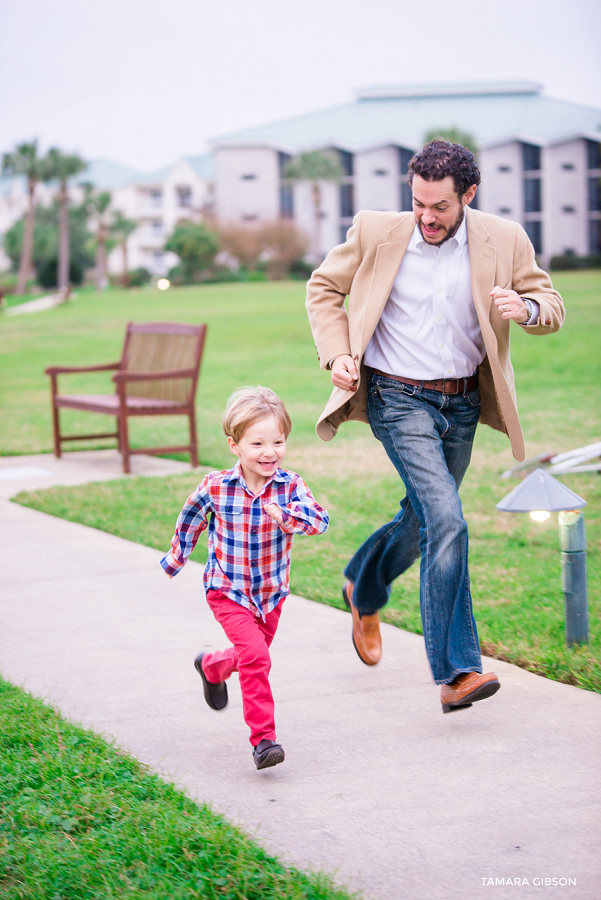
(301, 270)
(282, 244)
(196, 247)
(570, 261)
(242, 243)
(139, 277)
(8, 283)
(47, 272)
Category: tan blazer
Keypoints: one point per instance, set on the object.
(364, 269)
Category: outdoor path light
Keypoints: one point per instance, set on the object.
(540, 494)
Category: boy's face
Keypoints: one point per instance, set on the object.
(261, 449)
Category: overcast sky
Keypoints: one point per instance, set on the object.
(143, 82)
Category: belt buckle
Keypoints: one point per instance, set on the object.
(444, 385)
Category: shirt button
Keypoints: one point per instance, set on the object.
(440, 318)
(254, 531)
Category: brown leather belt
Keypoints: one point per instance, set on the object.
(444, 385)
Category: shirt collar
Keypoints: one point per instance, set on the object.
(235, 474)
(417, 244)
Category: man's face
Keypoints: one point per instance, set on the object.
(438, 209)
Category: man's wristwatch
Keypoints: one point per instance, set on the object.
(529, 308)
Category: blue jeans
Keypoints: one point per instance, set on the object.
(428, 437)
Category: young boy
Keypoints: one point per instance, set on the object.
(252, 512)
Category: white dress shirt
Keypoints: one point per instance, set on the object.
(429, 328)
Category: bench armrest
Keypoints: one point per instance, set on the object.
(124, 377)
(63, 370)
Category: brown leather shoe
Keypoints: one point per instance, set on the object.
(366, 630)
(466, 689)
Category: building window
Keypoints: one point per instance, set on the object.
(594, 194)
(504, 168)
(184, 197)
(569, 167)
(530, 158)
(593, 155)
(406, 200)
(156, 227)
(248, 177)
(283, 160)
(380, 171)
(406, 197)
(347, 201)
(286, 188)
(594, 236)
(534, 230)
(286, 201)
(346, 161)
(156, 198)
(405, 157)
(250, 218)
(568, 209)
(504, 210)
(532, 195)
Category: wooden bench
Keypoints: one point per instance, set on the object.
(157, 375)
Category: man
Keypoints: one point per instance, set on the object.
(422, 355)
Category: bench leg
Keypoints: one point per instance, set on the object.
(56, 431)
(193, 439)
(123, 441)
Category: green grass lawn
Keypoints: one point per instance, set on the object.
(258, 333)
(81, 820)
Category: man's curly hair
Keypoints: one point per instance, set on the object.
(439, 158)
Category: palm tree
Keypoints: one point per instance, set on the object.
(97, 205)
(454, 136)
(121, 228)
(63, 166)
(315, 167)
(24, 160)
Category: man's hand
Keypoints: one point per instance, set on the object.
(344, 373)
(273, 510)
(510, 305)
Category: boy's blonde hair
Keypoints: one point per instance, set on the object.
(249, 404)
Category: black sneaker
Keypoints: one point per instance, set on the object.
(267, 753)
(215, 694)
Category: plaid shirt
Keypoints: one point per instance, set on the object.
(249, 553)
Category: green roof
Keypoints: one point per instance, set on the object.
(106, 175)
(491, 112)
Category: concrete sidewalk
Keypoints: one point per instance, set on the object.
(43, 470)
(378, 787)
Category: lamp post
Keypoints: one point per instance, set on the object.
(540, 494)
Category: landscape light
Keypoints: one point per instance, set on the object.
(540, 494)
(163, 284)
(540, 515)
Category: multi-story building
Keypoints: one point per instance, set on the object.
(540, 160)
(157, 201)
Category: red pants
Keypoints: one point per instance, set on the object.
(249, 656)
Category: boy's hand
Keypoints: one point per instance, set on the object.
(273, 510)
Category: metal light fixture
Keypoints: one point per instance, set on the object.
(540, 494)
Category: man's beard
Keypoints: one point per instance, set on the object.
(450, 232)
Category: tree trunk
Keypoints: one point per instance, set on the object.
(25, 264)
(101, 279)
(317, 210)
(125, 277)
(63, 241)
